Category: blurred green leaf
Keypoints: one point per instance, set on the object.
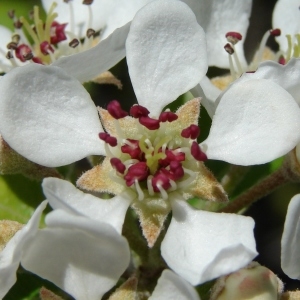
(19, 197)
(21, 8)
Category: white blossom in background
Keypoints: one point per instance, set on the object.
(286, 15)
(290, 242)
(59, 38)
(83, 257)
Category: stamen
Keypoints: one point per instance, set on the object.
(18, 24)
(9, 55)
(173, 185)
(189, 180)
(23, 51)
(275, 32)
(107, 138)
(151, 124)
(290, 47)
(197, 153)
(192, 132)
(132, 148)
(260, 52)
(167, 116)
(30, 31)
(16, 38)
(118, 165)
(38, 23)
(138, 171)
(149, 185)
(87, 2)
(233, 37)
(163, 193)
(74, 43)
(12, 46)
(28, 56)
(228, 48)
(138, 111)
(114, 108)
(139, 190)
(90, 33)
(45, 48)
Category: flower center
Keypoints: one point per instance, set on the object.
(159, 159)
(42, 41)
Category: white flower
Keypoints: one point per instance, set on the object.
(166, 55)
(290, 242)
(207, 245)
(83, 257)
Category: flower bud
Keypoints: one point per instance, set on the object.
(253, 282)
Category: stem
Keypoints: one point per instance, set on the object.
(233, 177)
(261, 189)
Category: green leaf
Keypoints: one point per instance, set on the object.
(19, 197)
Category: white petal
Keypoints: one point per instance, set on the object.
(290, 242)
(86, 65)
(83, 257)
(47, 116)
(209, 94)
(287, 76)
(286, 17)
(207, 245)
(123, 12)
(166, 53)
(250, 124)
(100, 10)
(217, 18)
(11, 255)
(171, 286)
(63, 195)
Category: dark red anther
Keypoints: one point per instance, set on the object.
(197, 153)
(90, 33)
(46, 48)
(118, 165)
(281, 60)
(133, 149)
(114, 108)
(233, 37)
(151, 124)
(18, 24)
(57, 32)
(192, 132)
(176, 170)
(228, 48)
(12, 46)
(138, 111)
(275, 32)
(22, 51)
(160, 178)
(112, 141)
(171, 156)
(74, 43)
(138, 171)
(37, 60)
(167, 116)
